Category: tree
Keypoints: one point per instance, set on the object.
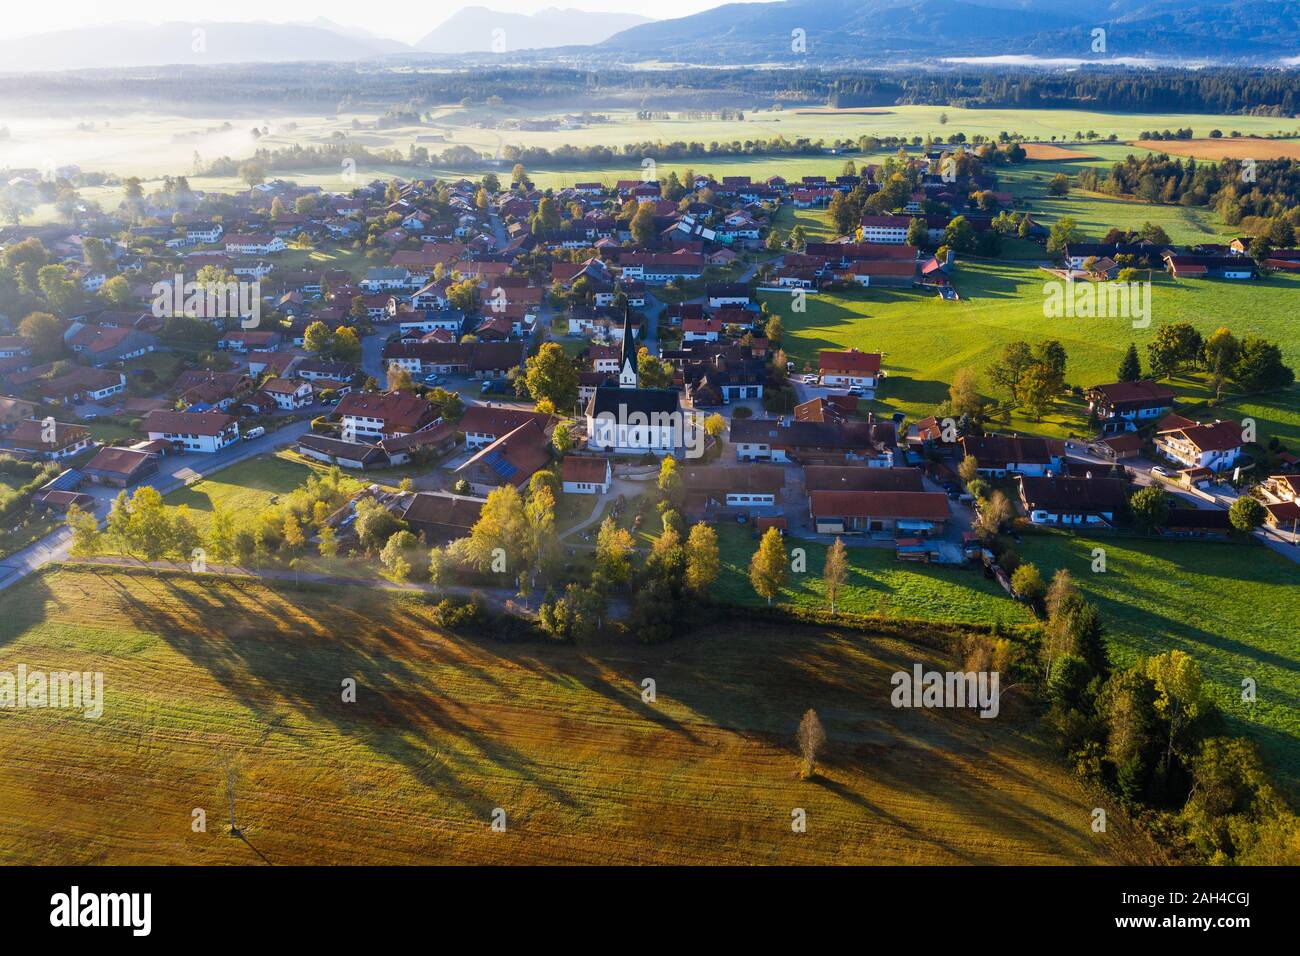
(45, 333)
(798, 238)
(399, 379)
(117, 292)
(497, 540)
(1259, 367)
(1027, 582)
(651, 371)
(1174, 346)
(768, 569)
(346, 346)
(968, 469)
(86, 538)
(252, 173)
(959, 235)
(220, 540)
(812, 737)
(293, 540)
(670, 483)
(562, 437)
(1130, 369)
(964, 394)
(1177, 679)
(918, 233)
(1008, 372)
(375, 524)
(329, 543)
(1059, 185)
(550, 376)
(1038, 386)
(543, 543)
(1246, 514)
(715, 425)
(835, 571)
(642, 226)
(993, 514)
(1063, 232)
(1220, 354)
(702, 561)
(1149, 507)
(393, 556)
(317, 338)
(59, 290)
(614, 548)
(184, 537)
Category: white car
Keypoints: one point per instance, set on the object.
(1162, 472)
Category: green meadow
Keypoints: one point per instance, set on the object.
(925, 339)
(1231, 606)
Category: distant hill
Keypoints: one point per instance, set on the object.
(132, 44)
(473, 30)
(910, 30)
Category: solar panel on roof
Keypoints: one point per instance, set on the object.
(499, 464)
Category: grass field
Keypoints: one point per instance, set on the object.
(202, 674)
(877, 584)
(153, 144)
(926, 339)
(248, 487)
(1231, 606)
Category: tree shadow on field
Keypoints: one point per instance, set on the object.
(275, 647)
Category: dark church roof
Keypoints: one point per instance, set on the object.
(648, 401)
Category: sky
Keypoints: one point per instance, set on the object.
(396, 19)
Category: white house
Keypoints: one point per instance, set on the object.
(586, 476)
(193, 431)
(288, 394)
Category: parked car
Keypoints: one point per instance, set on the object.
(433, 378)
(1158, 470)
(255, 432)
(856, 390)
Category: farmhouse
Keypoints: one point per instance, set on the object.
(851, 368)
(438, 518)
(1121, 406)
(1211, 267)
(781, 440)
(1215, 446)
(511, 459)
(45, 438)
(194, 431)
(999, 455)
(287, 393)
(914, 513)
(484, 424)
(1071, 501)
(860, 478)
(736, 486)
(376, 415)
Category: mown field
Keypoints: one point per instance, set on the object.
(211, 679)
(1231, 606)
(926, 339)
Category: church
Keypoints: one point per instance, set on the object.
(623, 419)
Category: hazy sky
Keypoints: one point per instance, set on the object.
(400, 19)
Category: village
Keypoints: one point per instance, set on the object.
(662, 300)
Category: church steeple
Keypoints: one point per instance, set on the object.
(627, 375)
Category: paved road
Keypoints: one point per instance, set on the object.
(175, 471)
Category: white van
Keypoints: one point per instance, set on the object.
(257, 432)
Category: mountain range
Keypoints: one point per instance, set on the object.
(786, 32)
(470, 30)
(892, 31)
